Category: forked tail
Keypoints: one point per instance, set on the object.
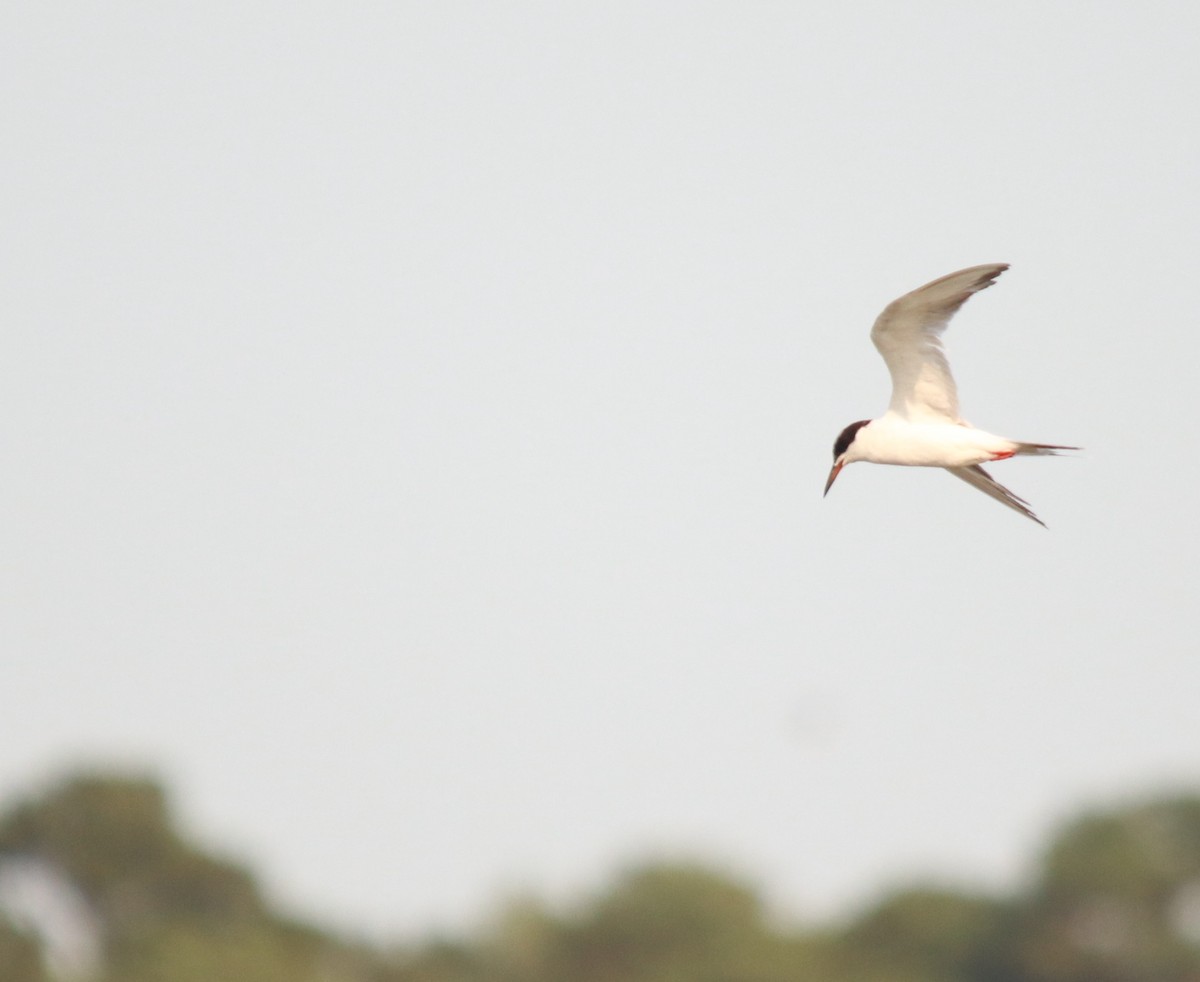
(1041, 449)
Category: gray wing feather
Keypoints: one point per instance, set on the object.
(909, 336)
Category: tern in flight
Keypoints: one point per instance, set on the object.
(921, 427)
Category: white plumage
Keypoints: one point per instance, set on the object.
(922, 426)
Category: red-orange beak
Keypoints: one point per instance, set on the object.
(837, 469)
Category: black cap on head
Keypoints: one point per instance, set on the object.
(846, 437)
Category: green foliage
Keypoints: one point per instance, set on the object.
(1118, 900)
(115, 840)
(20, 959)
(928, 934)
(188, 953)
(670, 923)
(1110, 901)
(167, 911)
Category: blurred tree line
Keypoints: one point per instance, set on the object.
(1117, 899)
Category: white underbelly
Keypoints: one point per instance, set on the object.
(934, 445)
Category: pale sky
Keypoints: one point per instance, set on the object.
(415, 418)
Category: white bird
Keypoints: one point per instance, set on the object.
(921, 427)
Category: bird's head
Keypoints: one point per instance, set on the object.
(844, 450)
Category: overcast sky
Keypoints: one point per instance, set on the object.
(415, 418)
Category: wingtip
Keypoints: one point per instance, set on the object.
(988, 274)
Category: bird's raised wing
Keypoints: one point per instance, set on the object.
(977, 477)
(909, 336)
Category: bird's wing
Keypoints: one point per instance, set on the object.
(909, 336)
(977, 477)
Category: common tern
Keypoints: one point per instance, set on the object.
(921, 427)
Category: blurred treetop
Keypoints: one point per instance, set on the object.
(1117, 899)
